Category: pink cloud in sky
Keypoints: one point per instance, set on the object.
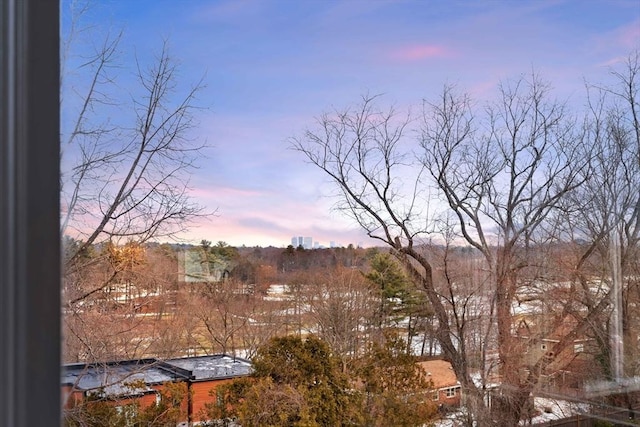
(264, 230)
(419, 52)
(629, 36)
(625, 38)
(221, 192)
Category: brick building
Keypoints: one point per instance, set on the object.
(446, 387)
(141, 381)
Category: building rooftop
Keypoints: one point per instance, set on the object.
(213, 367)
(116, 378)
(440, 372)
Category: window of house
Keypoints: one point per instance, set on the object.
(451, 391)
(578, 348)
(435, 395)
(543, 347)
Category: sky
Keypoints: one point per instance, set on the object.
(271, 67)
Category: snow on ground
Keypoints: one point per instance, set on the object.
(548, 409)
(453, 419)
(553, 409)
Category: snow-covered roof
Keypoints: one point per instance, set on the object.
(213, 367)
(118, 378)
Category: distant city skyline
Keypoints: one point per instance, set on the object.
(307, 242)
(269, 68)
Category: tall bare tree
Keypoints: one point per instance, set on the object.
(128, 152)
(609, 218)
(505, 173)
(365, 151)
(131, 181)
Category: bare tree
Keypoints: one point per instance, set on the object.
(128, 152)
(126, 159)
(341, 310)
(263, 322)
(608, 217)
(619, 167)
(364, 150)
(463, 282)
(503, 174)
(139, 305)
(221, 309)
(134, 185)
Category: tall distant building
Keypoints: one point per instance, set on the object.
(297, 241)
(305, 242)
(308, 243)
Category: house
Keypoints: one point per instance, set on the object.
(141, 381)
(446, 387)
(569, 367)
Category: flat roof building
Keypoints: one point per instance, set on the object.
(142, 380)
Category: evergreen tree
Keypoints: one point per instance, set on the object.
(295, 382)
(395, 388)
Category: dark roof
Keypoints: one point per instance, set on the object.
(216, 367)
(115, 378)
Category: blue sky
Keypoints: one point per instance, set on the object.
(270, 67)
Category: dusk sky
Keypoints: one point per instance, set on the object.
(270, 67)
